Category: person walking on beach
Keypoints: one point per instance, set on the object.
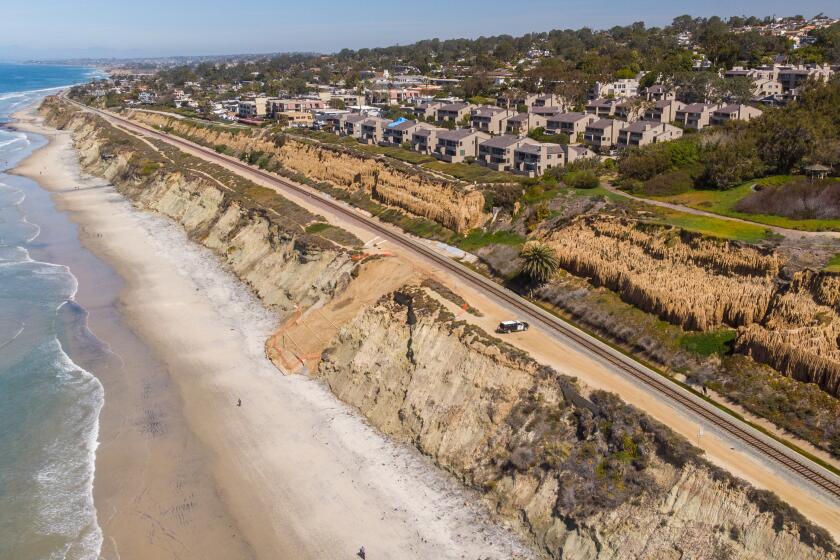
(238, 402)
(362, 554)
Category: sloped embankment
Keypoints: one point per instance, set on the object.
(454, 206)
(268, 249)
(703, 284)
(584, 475)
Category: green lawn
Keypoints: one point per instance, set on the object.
(473, 172)
(476, 239)
(723, 203)
(711, 226)
(708, 343)
(833, 265)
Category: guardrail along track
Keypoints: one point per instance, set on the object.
(600, 350)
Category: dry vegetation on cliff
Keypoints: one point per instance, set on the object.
(454, 206)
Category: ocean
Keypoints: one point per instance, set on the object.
(49, 405)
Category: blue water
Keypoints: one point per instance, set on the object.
(49, 406)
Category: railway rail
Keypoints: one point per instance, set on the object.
(766, 446)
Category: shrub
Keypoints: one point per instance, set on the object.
(585, 179)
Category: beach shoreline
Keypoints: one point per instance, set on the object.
(291, 473)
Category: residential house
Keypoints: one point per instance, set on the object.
(490, 119)
(664, 110)
(275, 106)
(256, 107)
(549, 100)
(642, 133)
(498, 152)
(297, 119)
(424, 140)
(147, 97)
(696, 115)
(453, 112)
(625, 87)
(657, 92)
(521, 123)
(545, 112)
(373, 130)
(631, 109)
(602, 108)
(734, 113)
(454, 146)
(427, 110)
(399, 132)
(603, 133)
(514, 100)
(764, 87)
(534, 159)
(352, 124)
(572, 124)
(792, 77)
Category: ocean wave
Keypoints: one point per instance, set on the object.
(17, 138)
(63, 509)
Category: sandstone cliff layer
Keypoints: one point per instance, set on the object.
(454, 206)
(586, 476)
(283, 264)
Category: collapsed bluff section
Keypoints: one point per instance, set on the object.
(581, 474)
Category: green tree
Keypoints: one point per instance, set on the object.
(541, 262)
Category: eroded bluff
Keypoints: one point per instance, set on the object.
(457, 207)
(585, 476)
(276, 258)
(703, 284)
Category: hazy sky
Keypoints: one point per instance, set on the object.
(32, 28)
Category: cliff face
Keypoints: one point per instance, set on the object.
(280, 262)
(581, 473)
(701, 284)
(585, 475)
(456, 207)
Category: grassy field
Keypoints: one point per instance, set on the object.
(723, 203)
(711, 226)
(708, 343)
(476, 239)
(833, 265)
(473, 172)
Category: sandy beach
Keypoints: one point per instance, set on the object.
(182, 471)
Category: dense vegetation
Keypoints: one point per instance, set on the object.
(781, 141)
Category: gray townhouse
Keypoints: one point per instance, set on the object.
(373, 130)
(521, 123)
(351, 125)
(497, 153)
(490, 119)
(534, 160)
(545, 111)
(397, 133)
(734, 113)
(602, 108)
(453, 112)
(658, 92)
(642, 133)
(424, 140)
(630, 109)
(454, 146)
(696, 115)
(573, 124)
(603, 133)
(513, 100)
(664, 110)
(427, 110)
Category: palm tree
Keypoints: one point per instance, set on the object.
(540, 261)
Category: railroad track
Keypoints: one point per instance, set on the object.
(761, 443)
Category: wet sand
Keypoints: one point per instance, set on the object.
(182, 471)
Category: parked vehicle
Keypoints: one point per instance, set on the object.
(512, 326)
